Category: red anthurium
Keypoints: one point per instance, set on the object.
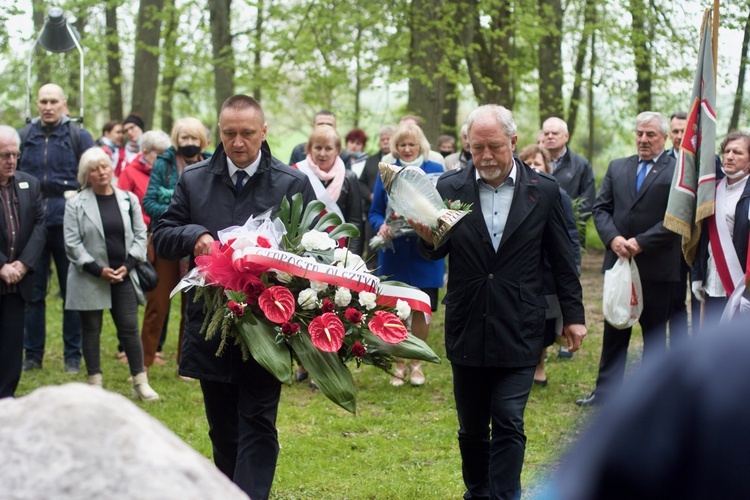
(388, 327)
(277, 303)
(327, 332)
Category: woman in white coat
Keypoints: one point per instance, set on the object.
(105, 237)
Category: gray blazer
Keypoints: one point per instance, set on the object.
(85, 243)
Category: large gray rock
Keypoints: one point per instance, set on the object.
(80, 442)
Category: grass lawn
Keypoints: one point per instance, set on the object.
(402, 441)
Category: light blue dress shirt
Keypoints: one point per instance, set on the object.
(495, 203)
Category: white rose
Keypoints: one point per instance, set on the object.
(367, 300)
(343, 297)
(283, 277)
(308, 299)
(317, 240)
(402, 309)
(318, 286)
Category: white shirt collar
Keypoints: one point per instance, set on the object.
(249, 170)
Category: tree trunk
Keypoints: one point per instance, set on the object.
(223, 53)
(146, 71)
(171, 69)
(426, 84)
(550, 60)
(114, 68)
(735, 120)
(357, 77)
(639, 38)
(489, 53)
(41, 58)
(592, 121)
(589, 18)
(257, 52)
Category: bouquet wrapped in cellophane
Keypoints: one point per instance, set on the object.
(282, 290)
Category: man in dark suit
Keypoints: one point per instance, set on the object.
(241, 179)
(22, 235)
(495, 306)
(629, 216)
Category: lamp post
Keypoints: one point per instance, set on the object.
(56, 36)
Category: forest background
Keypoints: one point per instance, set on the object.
(595, 63)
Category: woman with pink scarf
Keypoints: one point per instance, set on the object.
(334, 185)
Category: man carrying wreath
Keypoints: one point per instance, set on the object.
(495, 306)
(241, 179)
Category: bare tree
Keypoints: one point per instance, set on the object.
(114, 68)
(223, 53)
(146, 71)
(734, 121)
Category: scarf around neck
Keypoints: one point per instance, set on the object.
(335, 176)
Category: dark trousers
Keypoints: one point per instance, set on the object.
(242, 427)
(124, 313)
(492, 457)
(11, 342)
(678, 319)
(658, 297)
(36, 323)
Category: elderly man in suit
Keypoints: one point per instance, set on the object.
(22, 235)
(495, 307)
(629, 216)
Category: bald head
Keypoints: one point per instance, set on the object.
(51, 104)
(555, 136)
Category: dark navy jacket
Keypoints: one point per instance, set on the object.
(49, 156)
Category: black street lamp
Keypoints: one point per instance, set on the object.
(56, 36)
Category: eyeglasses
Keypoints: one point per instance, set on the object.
(6, 156)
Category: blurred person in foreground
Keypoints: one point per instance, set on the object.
(22, 235)
(677, 430)
(720, 267)
(403, 262)
(105, 238)
(188, 147)
(495, 306)
(537, 157)
(241, 179)
(51, 147)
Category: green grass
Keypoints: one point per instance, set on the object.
(402, 441)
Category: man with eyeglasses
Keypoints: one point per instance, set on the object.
(52, 146)
(22, 236)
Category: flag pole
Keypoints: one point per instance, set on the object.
(716, 38)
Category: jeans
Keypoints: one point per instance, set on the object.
(35, 324)
(125, 315)
(491, 457)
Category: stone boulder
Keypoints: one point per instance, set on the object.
(78, 442)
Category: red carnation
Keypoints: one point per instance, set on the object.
(327, 306)
(277, 303)
(352, 315)
(327, 332)
(251, 285)
(358, 350)
(388, 327)
(236, 308)
(288, 328)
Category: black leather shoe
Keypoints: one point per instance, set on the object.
(31, 364)
(590, 400)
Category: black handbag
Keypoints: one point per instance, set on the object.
(147, 276)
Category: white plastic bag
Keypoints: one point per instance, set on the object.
(623, 295)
